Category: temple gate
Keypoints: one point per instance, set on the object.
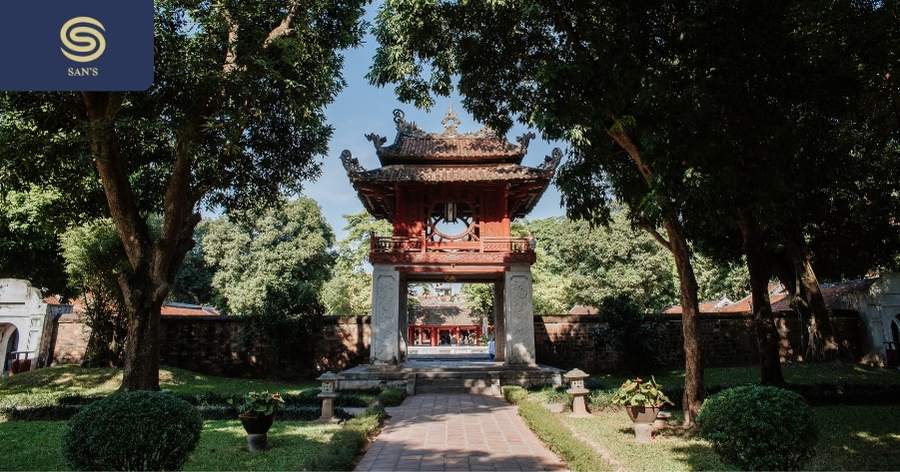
(430, 180)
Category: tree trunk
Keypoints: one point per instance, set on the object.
(153, 265)
(694, 390)
(822, 343)
(142, 343)
(677, 244)
(760, 268)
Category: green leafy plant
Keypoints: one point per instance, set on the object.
(392, 397)
(514, 393)
(557, 395)
(759, 428)
(639, 392)
(600, 400)
(139, 430)
(258, 404)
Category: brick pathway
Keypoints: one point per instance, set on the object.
(457, 432)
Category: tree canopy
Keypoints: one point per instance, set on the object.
(349, 291)
(270, 261)
(234, 118)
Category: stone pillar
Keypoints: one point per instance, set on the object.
(385, 348)
(499, 332)
(518, 308)
(403, 326)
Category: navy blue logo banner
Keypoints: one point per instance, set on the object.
(59, 45)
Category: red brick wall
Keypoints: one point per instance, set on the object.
(221, 345)
(726, 340)
(70, 339)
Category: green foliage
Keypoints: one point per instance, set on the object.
(257, 404)
(557, 395)
(601, 400)
(349, 291)
(391, 397)
(718, 280)
(194, 281)
(578, 264)
(639, 392)
(132, 431)
(479, 299)
(552, 432)
(30, 221)
(94, 261)
(272, 261)
(346, 443)
(514, 393)
(759, 427)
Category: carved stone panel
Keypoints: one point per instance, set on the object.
(385, 315)
(519, 315)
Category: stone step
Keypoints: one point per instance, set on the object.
(457, 382)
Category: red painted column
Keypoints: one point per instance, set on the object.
(434, 337)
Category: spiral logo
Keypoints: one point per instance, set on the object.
(82, 39)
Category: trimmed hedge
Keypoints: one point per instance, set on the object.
(391, 397)
(578, 455)
(132, 431)
(349, 440)
(759, 427)
(514, 393)
(206, 412)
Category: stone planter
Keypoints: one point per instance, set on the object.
(662, 421)
(643, 418)
(257, 428)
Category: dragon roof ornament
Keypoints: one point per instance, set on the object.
(351, 164)
(552, 161)
(404, 127)
(451, 122)
(524, 140)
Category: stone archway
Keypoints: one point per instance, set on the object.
(24, 313)
(9, 343)
(895, 331)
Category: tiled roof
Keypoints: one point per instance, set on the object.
(834, 294)
(456, 148)
(583, 310)
(185, 309)
(168, 309)
(413, 145)
(431, 173)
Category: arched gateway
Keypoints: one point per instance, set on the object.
(474, 182)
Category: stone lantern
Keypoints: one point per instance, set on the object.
(576, 378)
(328, 393)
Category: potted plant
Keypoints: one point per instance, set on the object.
(642, 400)
(257, 412)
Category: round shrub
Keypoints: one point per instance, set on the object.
(132, 431)
(759, 428)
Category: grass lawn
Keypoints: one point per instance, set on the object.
(46, 386)
(35, 445)
(795, 373)
(850, 438)
(612, 431)
(293, 446)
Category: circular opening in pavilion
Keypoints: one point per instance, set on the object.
(451, 221)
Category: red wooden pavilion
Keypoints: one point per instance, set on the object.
(428, 180)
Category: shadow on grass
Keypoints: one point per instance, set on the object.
(292, 445)
(850, 438)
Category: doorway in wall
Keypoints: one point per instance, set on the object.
(450, 319)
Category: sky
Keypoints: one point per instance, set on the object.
(362, 108)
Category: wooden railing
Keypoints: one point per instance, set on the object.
(395, 244)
